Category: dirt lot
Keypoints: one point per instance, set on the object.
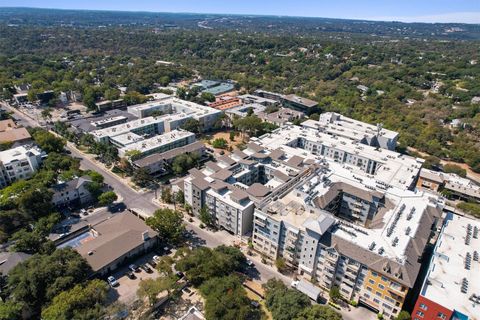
(226, 136)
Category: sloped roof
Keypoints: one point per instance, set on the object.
(115, 237)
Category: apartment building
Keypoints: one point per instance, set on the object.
(300, 104)
(177, 110)
(371, 254)
(74, 191)
(282, 116)
(156, 144)
(338, 125)
(455, 186)
(159, 163)
(19, 163)
(451, 289)
(389, 168)
(141, 127)
(233, 185)
(109, 122)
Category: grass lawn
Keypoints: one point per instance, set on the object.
(253, 296)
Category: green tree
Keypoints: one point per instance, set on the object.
(232, 136)
(95, 176)
(168, 223)
(107, 198)
(318, 312)
(84, 301)
(207, 96)
(10, 310)
(452, 168)
(226, 299)
(166, 195)
(220, 143)
(335, 294)
(180, 197)
(47, 141)
(281, 265)
(141, 177)
(403, 315)
(133, 155)
(36, 281)
(192, 125)
(284, 303)
(206, 217)
(184, 162)
(204, 263)
(31, 242)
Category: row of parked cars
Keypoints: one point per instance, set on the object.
(146, 267)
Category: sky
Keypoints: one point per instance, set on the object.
(466, 11)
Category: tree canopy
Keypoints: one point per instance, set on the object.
(168, 223)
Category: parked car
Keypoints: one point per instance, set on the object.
(152, 263)
(156, 259)
(131, 275)
(84, 212)
(255, 304)
(187, 291)
(249, 263)
(146, 268)
(134, 268)
(179, 274)
(112, 281)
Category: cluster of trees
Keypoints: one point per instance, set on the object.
(169, 224)
(41, 284)
(184, 162)
(253, 126)
(315, 65)
(211, 271)
(286, 304)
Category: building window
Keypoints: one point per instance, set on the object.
(423, 307)
(381, 286)
(441, 316)
(371, 281)
(378, 293)
(420, 314)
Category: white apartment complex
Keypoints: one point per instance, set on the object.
(19, 163)
(338, 125)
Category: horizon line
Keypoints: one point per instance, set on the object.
(371, 19)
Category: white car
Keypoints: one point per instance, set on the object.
(249, 262)
(294, 283)
(157, 259)
(112, 281)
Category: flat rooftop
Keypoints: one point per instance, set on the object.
(126, 127)
(178, 105)
(340, 125)
(447, 268)
(108, 120)
(303, 101)
(392, 169)
(157, 141)
(18, 153)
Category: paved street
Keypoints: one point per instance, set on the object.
(143, 202)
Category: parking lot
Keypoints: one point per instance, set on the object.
(126, 290)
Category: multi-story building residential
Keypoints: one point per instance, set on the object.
(109, 122)
(451, 290)
(141, 127)
(300, 104)
(245, 109)
(159, 163)
(281, 116)
(232, 186)
(451, 184)
(333, 233)
(389, 168)
(157, 144)
(176, 109)
(250, 98)
(338, 125)
(74, 191)
(19, 163)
